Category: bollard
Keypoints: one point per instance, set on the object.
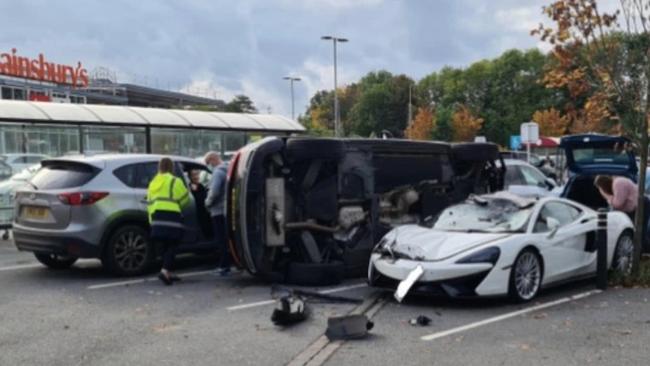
(601, 245)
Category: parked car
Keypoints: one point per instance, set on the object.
(95, 207)
(545, 165)
(7, 194)
(499, 244)
(525, 180)
(589, 155)
(20, 161)
(310, 210)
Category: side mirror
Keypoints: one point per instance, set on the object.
(553, 225)
(550, 183)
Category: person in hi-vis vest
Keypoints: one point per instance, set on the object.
(166, 197)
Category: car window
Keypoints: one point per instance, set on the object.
(63, 175)
(532, 177)
(513, 176)
(145, 173)
(562, 212)
(127, 174)
(33, 159)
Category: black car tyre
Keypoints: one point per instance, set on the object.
(128, 251)
(525, 276)
(623, 254)
(55, 261)
(315, 274)
(309, 148)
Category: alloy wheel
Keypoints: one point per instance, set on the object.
(528, 275)
(130, 251)
(624, 252)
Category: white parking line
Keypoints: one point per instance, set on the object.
(21, 266)
(268, 302)
(513, 314)
(143, 280)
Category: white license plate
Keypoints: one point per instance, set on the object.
(38, 213)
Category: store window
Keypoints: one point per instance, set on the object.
(42, 139)
(185, 142)
(7, 93)
(113, 139)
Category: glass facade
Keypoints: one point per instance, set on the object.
(70, 139)
(41, 139)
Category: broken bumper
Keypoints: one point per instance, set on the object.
(438, 278)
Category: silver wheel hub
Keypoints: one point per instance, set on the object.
(528, 274)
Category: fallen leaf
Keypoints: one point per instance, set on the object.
(525, 347)
(624, 332)
(540, 316)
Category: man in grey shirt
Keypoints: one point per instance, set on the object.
(215, 202)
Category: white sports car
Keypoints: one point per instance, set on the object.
(498, 244)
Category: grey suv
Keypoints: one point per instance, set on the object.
(95, 207)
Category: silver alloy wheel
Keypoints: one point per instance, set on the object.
(623, 255)
(130, 251)
(528, 275)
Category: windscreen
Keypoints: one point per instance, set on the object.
(600, 155)
(492, 215)
(63, 175)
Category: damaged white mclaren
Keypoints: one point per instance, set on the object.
(310, 210)
(498, 244)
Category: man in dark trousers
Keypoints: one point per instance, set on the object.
(216, 204)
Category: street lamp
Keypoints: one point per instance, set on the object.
(291, 80)
(337, 122)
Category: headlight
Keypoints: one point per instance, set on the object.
(487, 255)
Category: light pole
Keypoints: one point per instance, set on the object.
(291, 80)
(337, 122)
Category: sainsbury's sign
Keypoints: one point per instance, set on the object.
(42, 70)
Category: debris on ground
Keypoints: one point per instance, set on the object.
(290, 310)
(348, 327)
(421, 320)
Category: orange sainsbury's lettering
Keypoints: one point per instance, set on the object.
(42, 70)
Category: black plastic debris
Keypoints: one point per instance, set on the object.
(348, 327)
(290, 310)
(421, 320)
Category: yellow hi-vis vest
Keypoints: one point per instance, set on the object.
(166, 193)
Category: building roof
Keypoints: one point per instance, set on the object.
(91, 114)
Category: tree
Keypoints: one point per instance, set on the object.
(381, 104)
(595, 55)
(464, 124)
(422, 126)
(551, 122)
(241, 104)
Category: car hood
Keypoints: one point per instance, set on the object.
(422, 243)
(9, 186)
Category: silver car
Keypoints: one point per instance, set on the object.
(95, 207)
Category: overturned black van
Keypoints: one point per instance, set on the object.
(310, 210)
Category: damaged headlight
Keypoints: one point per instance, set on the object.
(487, 255)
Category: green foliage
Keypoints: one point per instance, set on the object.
(241, 104)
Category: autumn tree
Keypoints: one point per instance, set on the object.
(551, 122)
(607, 57)
(464, 124)
(422, 126)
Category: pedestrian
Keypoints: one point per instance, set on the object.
(166, 197)
(200, 193)
(216, 204)
(620, 193)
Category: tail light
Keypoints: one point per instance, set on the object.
(233, 166)
(81, 198)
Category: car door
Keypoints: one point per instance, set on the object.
(564, 249)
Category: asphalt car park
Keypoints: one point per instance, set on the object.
(83, 316)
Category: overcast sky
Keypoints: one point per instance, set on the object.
(239, 46)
